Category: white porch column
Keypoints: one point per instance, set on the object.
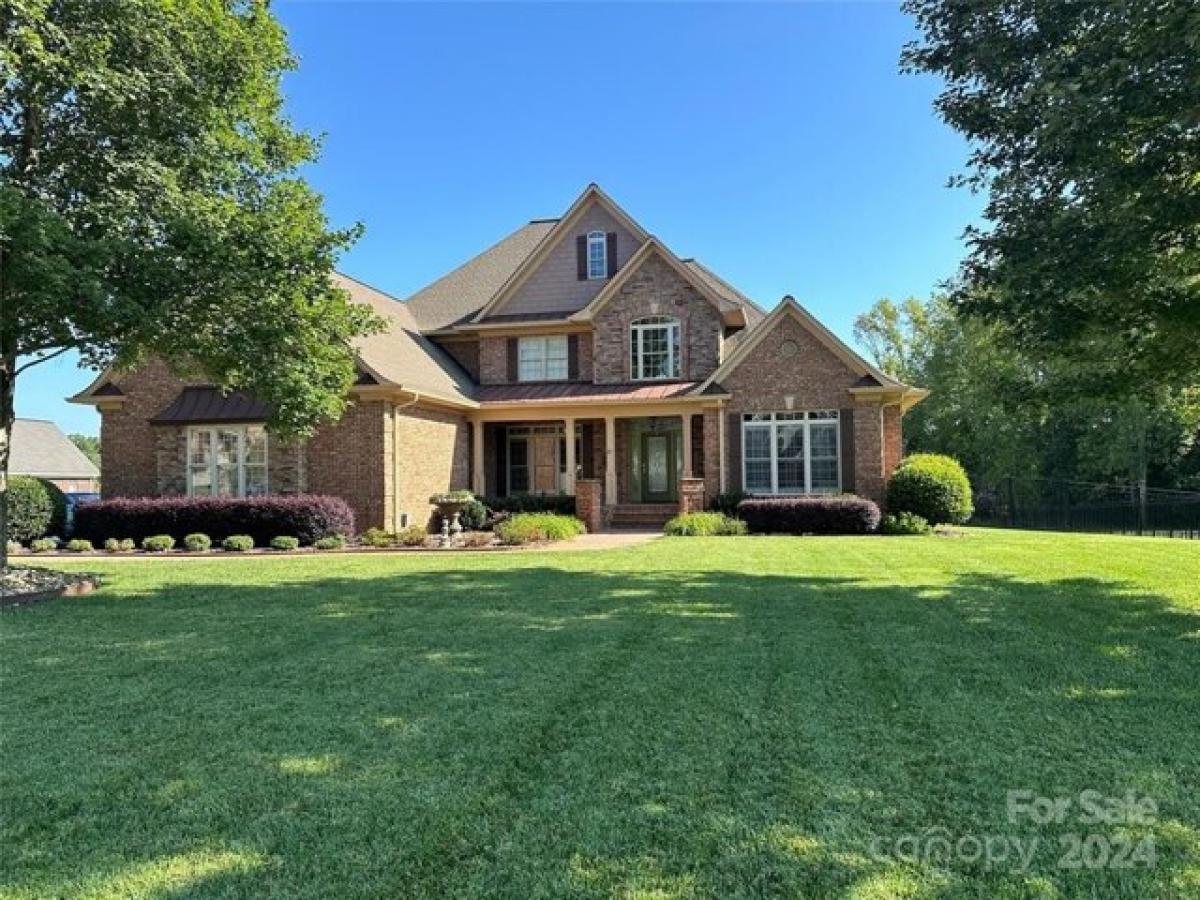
(610, 461)
(721, 447)
(569, 435)
(687, 445)
(478, 478)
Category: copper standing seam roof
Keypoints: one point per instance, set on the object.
(575, 391)
(209, 405)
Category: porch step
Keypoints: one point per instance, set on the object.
(641, 515)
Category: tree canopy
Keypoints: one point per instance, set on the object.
(1084, 119)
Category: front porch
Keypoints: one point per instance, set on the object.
(635, 469)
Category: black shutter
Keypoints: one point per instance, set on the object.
(581, 257)
(586, 438)
(612, 253)
(846, 418)
(573, 357)
(733, 452)
(512, 360)
(500, 489)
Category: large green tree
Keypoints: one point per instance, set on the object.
(1084, 118)
(150, 202)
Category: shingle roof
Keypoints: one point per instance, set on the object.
(40, 448)
(582, 392)
(462, 293)
(207, 404)
(727, 291)
(401, 354)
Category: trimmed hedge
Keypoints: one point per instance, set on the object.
(810, 515)
(31, 508)
(703, 524)
(238, 543)
(932, 486)
(528, 528)
(562, 504)
(307, 517)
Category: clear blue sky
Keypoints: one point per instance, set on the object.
(778, 143)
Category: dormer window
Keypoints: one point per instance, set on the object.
(597, 255)
(654, 348)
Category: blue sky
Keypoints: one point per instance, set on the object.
(778, 143)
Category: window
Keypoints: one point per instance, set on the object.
(597, 255)
(542, 358)
(227, 461)
(537, 458)
(654, 348)
(791, 453)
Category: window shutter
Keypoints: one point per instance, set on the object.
(612, 253)
(512, 360)
(573, 357)
(733, 451)
(846, 420)
(581, 257)
(586, 436)
(500, 436)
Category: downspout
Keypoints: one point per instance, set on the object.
(396, 408)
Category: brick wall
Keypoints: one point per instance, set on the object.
(434, 456)
(347, 460)
(465, 353)
(129, 446)
(656, 290)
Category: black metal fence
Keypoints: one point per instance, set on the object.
(1057, 505)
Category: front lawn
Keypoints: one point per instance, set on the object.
(695, 717)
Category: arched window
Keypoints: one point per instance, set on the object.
(597, 255)
(654, 348)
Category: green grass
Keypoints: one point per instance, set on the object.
(725, 717)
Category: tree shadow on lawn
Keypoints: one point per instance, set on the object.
(542, 731)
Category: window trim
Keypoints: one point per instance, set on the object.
(637, 333)
(213, 430)
(597, 238)
(770, 422)
(544, 340)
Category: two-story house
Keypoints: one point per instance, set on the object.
(578, 355)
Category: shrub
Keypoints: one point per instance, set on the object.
(727, 503)
(308, 517)
(333, 542)
(703, 524)
(43, 545)
(125, 545)
(158, 543)
(198, 543)
(477, 538)
(475, 516)
(562, 504)
(934, 487)
(238, 543)
(527, 528)
(30, 508)
(844, 514)
(79, 546)
(413, 536)
(284, 542)
(452, 497)
(377, 537)
(13, 547)
(905, 523)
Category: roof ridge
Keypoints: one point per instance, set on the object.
(368, 286)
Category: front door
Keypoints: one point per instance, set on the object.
(545, 463)
(658, 467)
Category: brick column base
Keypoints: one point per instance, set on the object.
(691, 495)
(589, 503)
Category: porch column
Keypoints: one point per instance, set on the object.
(478, 479)
(687, 445)
(610, 461)
(721, 447)
(569, 435)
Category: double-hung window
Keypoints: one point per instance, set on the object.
(226, 460)
(597, 255)
(654, 348)
(791, 453)
(542, 358)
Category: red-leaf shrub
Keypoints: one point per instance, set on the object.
(810, 515)
(307, 517)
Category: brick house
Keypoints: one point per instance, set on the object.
(578, 355)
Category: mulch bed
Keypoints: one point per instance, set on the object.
(20, 586)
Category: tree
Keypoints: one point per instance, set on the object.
(150, 202)
(1083, 121)
(89, 445)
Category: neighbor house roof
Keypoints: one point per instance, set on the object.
(40, 448)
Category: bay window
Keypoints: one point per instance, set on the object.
(654, 348)
(226, 460)
(792, 453)
(542, 358)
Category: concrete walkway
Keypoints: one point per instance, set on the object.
(604, 540)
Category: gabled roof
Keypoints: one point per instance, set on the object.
(38, 447)
(872, 378)
(562, 228)
(652, 246)
(458, 295)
